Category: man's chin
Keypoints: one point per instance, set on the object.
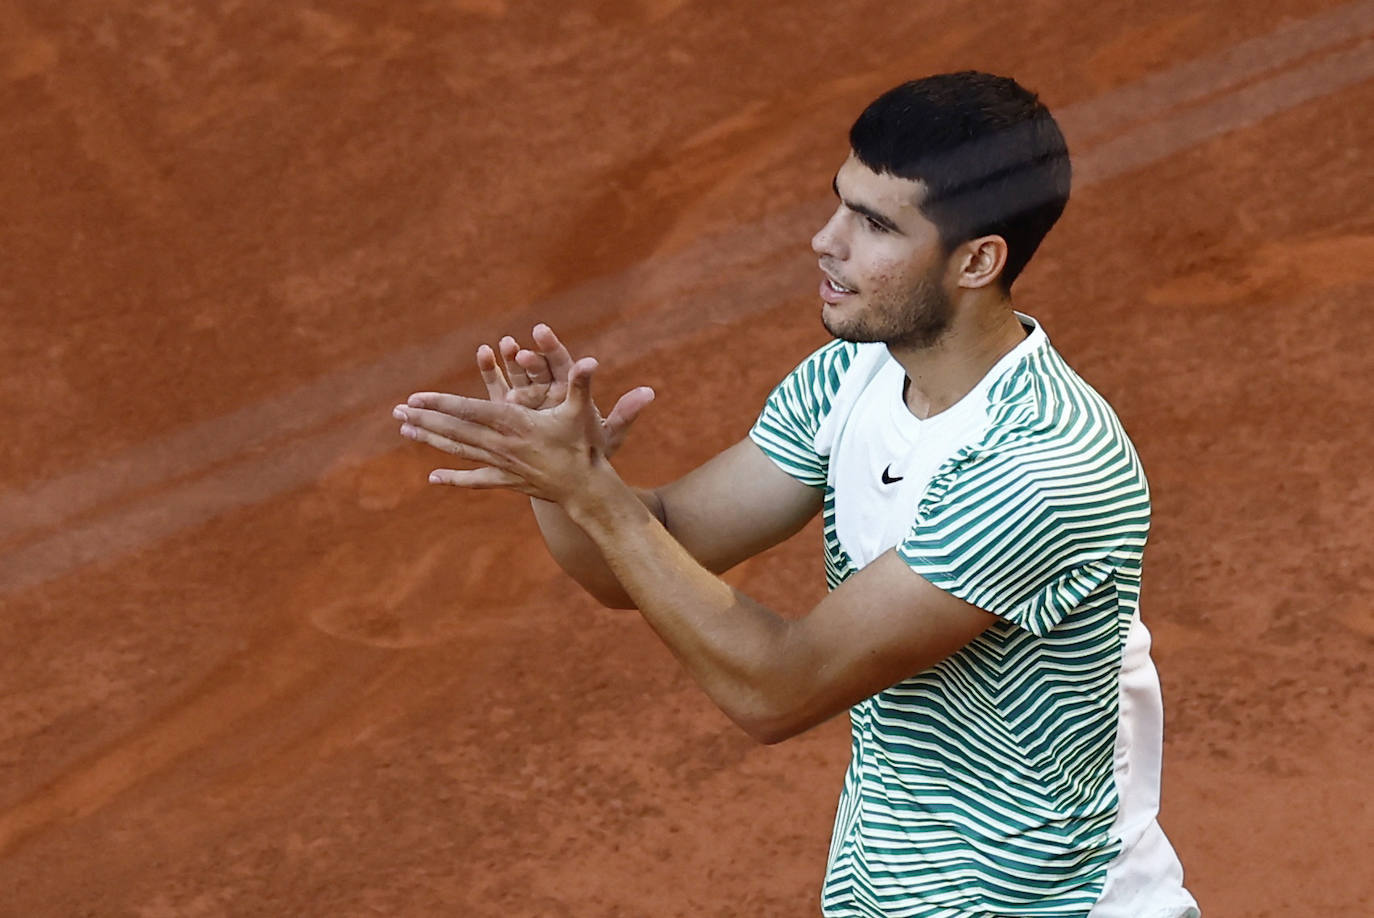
(850, 331)
(833, 328)
(834, 323)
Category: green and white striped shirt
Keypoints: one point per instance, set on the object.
(1018, 777)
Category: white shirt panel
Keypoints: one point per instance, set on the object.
(876, 436)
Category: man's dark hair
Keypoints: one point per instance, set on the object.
(989, 153)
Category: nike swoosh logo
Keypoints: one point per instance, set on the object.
(888, 479)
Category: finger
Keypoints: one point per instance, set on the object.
(465, 451)
(492, 377)
(580, 383)
(560, 361)
(509, 348)
(617, 423)
(535, 365)
(477, 479)
(424, 425)
(494, 415)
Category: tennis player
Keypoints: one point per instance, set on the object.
(984, 516)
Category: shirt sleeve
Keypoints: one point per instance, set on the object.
(1030, 536)
(787, 426)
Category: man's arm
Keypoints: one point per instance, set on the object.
(773, 676)
(730, 508)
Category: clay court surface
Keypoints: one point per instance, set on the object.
(254, 665)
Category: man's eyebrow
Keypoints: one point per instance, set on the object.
(863, 209)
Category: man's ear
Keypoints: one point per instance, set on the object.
(981, 261)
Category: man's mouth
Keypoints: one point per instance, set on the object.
(833, 292)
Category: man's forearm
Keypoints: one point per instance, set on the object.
(579, 556)
(740, 652)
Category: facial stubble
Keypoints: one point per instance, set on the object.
(918, 321)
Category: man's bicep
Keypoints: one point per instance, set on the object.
(736, 505)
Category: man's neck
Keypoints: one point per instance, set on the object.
(940, 374)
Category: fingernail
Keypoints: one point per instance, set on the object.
(399, 413)
(435, 479)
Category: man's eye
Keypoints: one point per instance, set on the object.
(875, 225)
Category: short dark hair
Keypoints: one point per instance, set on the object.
(988, 151)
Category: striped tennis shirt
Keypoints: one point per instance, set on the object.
(1019, 776)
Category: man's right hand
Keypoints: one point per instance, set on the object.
(538, 379)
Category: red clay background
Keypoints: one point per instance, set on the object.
(253, 665)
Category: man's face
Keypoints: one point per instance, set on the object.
(883, 262)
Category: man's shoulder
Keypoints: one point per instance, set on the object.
(833, 357)
(796, 423)
(1048, 433)
(1041, 401)
(811, 388)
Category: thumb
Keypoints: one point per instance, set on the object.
(617, 423)
(580, 383)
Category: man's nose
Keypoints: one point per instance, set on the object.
(828, 240)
